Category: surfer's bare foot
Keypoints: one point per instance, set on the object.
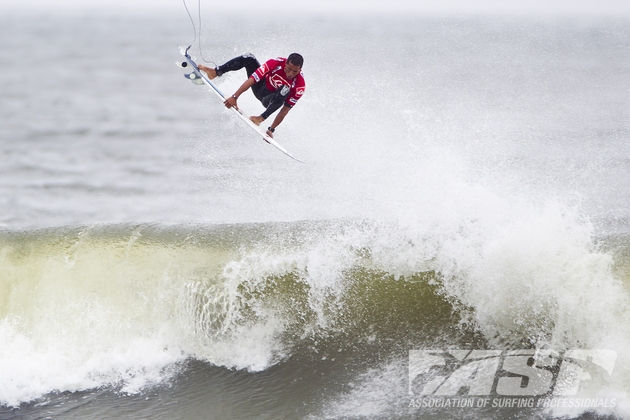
(257, 120)
(212, 73)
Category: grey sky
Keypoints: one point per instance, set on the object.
(594, 7)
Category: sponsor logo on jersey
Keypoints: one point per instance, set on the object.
(277, 81)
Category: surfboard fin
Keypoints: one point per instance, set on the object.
(194, 78)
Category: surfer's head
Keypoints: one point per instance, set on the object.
(293, 65)
(296, 59)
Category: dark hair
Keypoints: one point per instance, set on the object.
(296, 59)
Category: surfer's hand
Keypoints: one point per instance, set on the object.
(230, 102)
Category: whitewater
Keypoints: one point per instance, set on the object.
(465, 192)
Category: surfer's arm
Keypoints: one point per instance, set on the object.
(276, 122)
(231, 101)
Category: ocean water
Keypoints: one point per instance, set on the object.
(465, 188)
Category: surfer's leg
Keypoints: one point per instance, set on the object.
(210, 72)
(274, 101)
(247, 61)
(260, 90)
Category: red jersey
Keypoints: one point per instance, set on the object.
(272, 71)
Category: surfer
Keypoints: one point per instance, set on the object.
(278, 83)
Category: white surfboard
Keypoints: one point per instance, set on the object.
(199, 75)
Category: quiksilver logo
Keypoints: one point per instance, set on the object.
(507, 373)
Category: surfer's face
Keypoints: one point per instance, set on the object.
(291, 70)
